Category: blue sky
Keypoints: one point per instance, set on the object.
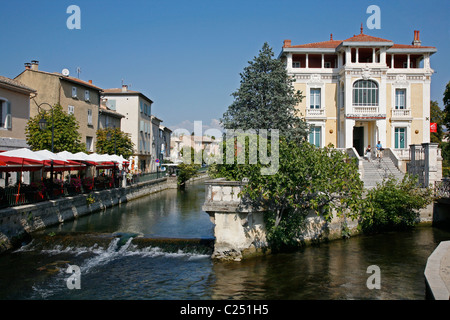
(187, 55)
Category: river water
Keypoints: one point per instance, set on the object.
(115, 268)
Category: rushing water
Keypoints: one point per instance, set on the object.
(116, 268)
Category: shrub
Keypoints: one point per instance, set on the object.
(393, 205)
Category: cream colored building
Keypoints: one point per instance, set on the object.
(14, 113)
(76, 96)
(362, 90)
(138, 121)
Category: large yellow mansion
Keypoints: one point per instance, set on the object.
(363, 90)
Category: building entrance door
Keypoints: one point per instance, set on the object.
(358, 140)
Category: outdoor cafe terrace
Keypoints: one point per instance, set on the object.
(54, 175)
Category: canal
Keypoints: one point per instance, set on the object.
(116, 268)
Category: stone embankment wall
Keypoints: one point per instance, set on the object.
(240, 230)
(16, 223)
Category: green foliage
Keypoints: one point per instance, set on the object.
(308, 179)
(187, 169)
(446, 101)
(66, 135)
(393, 205)
(266, 99)
(185, 172)
(436, 116)
(113, 140)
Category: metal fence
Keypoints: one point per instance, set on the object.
(442, 188)
(16, 195)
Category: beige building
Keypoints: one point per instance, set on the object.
(363, 90)
(78, 97)
(14, 113)
(207, 144)
(139, 122)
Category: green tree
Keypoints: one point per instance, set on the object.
(187, 169)
(309, 179)
(446, 122)
(266, 99)
(436, 116)
(114, 141)
(446, 101)
(65, 128)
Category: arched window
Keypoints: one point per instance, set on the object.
(365, 93)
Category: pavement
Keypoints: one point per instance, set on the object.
(437, 272)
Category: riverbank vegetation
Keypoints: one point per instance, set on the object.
(307, 179)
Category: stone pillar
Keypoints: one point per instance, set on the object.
(431, 164)
(239, 230)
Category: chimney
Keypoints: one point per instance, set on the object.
(27, 65)
(331, 36)
(416, 41)
(287, 43)
(34, 65)
(124, 88)
(90, 81)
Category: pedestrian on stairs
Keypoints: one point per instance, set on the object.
(368, 152)
(379, 149)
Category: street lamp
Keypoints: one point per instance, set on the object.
(43, 122)
(43, 126)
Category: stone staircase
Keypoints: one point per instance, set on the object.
(375, 171)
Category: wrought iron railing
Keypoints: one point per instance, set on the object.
(442, 188)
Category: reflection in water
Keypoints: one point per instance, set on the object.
(334, 270)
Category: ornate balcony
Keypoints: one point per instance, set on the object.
(401, 113)
(315, 113)
(365, 112)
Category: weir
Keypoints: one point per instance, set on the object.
(83, 240)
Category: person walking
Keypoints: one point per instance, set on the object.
(379, 149)
(368, 152)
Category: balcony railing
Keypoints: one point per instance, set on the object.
(401, 113)
(315, 113)
(366, 110)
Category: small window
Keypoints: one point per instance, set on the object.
(314, 102)
(86, 95)
(400, 99)
(295, 64)
(89, 143)
(70, 109)
(400, 138)
(74, 92)
(142, 106)
(89, 119)
(315, 134)
(5, 115)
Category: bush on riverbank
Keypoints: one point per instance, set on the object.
(393, 205)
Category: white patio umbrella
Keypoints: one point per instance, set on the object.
(26, 154)
(51, 155)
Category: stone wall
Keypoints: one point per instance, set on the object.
(17, 223)
(240, 230)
